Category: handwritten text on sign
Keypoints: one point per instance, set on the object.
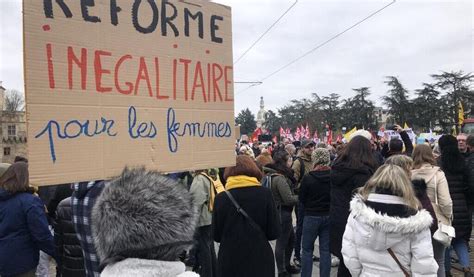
(117, 83)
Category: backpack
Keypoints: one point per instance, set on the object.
(216, 188)
(267, 180)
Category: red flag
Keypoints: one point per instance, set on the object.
(298, 133)
(339, 138)
(282, 133)
(315, 136)
(308, 134)
(288, 134)
(329, 140)
(274, 139)
(256, 133)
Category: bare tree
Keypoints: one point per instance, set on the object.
(14, 101)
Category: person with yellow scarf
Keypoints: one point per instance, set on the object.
(244, 248)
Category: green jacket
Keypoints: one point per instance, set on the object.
(308, 166)
(282, 193)
(200, 189)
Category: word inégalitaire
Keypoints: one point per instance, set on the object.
(163, 13)
(74, 129)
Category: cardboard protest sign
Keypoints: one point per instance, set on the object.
(237, 132)
(122, 83)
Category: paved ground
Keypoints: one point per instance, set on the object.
(315, 264)
(455, 271)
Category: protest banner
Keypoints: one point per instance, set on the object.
(111, 84)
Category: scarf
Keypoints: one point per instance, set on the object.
(241, 181)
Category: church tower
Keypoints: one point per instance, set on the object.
(261, 114)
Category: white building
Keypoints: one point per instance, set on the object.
(261, 114)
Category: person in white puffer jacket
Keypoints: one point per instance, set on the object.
(385, 216)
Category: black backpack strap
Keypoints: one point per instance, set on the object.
(244, 213)
(302, 169)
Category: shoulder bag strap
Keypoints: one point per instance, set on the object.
(390, 251)
(436, 188)
(244, 213)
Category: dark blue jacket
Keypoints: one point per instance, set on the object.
(23, 232)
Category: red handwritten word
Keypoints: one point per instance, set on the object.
(211, 81)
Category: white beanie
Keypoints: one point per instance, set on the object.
(363, 133)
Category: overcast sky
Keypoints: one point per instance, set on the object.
(410, 39)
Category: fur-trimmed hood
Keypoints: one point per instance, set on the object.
(143, 214)
(386, 231)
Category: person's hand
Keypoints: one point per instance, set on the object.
(398, 128)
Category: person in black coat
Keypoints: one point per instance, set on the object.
(315, 196)
(244, 250)
(61, 192)
(351, 170)
(454, 167)
(70, 261)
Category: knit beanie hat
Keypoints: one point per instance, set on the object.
(363, 133)
(247, 150)
(321, 156)
(143, 214)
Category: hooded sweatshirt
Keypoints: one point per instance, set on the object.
(436, 181)
(315, 193)
(383, 222)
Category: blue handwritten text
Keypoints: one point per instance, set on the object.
(206, 129)
(73, 129)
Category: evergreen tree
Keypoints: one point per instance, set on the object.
(397, 100)
(428, 106)
(247, 121)
(272, 123)
(457, 86)
(363, 109)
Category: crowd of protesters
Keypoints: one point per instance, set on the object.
(375, 208)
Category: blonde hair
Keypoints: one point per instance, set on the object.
(421, 155)
(394, 179)
(402, 161)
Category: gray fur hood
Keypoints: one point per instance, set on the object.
(386, 231)
(143, 214)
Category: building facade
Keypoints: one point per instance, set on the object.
(12, 132)
(382, 115)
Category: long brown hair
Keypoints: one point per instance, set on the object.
(421, 155)
(16, 178)
(357, 154)
(244, 166)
